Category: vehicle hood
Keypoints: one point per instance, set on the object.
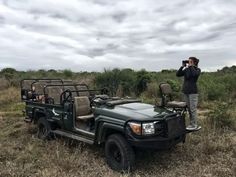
(134, 111)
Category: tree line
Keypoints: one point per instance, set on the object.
(219, 85)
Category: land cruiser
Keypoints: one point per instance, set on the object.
(92, 116)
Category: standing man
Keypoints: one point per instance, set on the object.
(191, 72)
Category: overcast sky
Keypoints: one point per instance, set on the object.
(90, 35)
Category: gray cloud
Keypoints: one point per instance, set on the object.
(96, 34)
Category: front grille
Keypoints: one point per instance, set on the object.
(159, 128)
(175, 126)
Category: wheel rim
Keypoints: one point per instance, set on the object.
(115, 153)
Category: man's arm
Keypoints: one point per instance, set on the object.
(180, 72)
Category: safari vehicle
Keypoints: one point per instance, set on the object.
(91, 116)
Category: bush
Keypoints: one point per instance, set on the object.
(67, 73)
(221, 116)
(152, 90)
(175, 85)
(142, 80)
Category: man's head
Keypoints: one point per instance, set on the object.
(193, 61)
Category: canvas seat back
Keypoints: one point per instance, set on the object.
(166, 91)
(54, 93)
(82, 108)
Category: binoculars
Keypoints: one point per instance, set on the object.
(185, 62)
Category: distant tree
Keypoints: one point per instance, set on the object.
(127, 77)
(67, 73)
(227, 69)
(142, 80)
(117, 79)
(110, 79)
(8, 73)
(52, 71)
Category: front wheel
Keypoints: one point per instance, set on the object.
(119, 154)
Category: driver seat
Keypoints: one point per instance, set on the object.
(166, 94)
(83, 108)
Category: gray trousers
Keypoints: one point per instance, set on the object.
(192, 101)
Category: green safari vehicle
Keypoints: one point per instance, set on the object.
(91, 116)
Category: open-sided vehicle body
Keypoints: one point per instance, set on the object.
(91, 116)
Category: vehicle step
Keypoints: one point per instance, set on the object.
(72, 136)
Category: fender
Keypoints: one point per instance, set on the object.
(105, 128)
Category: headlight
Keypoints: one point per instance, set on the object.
(136, 127)
(142, 128)
(148, 128)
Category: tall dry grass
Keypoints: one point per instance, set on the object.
(205, 153)
(9, 95)
(10, 102)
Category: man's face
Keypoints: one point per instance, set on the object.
(191, 63)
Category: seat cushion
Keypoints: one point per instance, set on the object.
(176, 104)
(86, 117)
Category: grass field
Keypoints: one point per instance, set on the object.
(208, 153)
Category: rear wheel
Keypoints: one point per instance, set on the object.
(119, 154)
(44, 129)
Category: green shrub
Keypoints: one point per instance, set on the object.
(67, 73)
(221, 116)
(142, 80)
(175, 85)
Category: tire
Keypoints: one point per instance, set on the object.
(44, 129)
(119, 154)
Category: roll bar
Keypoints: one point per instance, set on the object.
(63, 85)
(38, 80)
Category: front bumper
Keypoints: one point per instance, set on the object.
(156, 143)
(173, 132)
